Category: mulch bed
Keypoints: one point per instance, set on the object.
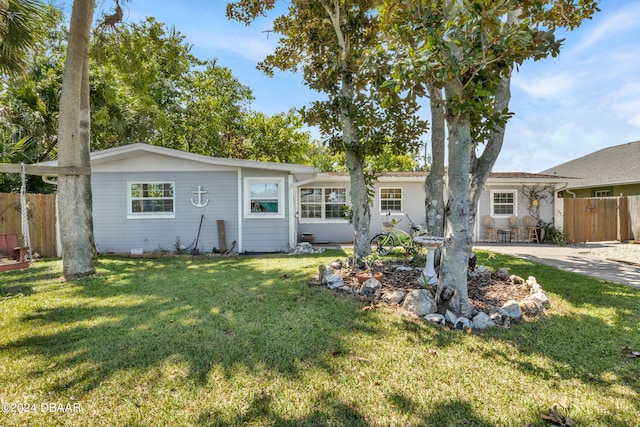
(482, 295)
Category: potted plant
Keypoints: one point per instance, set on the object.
(363, 276)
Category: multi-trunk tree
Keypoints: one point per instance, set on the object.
(334, 44)
(463, 54)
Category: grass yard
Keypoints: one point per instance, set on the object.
(246, 341)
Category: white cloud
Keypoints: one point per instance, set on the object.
(613, 25)
(251, 48)
(546, 86)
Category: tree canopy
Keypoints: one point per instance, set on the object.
(463, 54)
(331, 43)
(145, 86)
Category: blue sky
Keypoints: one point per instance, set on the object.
(586, 99)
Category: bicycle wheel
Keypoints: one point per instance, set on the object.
(382, 244)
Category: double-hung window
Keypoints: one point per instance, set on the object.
(503, 202)
(323, 203)
(264, 197)
(151, 200)
(390, 200)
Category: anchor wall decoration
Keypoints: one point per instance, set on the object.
(200, 192)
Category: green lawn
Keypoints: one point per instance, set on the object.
(246, 341)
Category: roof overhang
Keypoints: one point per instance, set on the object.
(129, 153)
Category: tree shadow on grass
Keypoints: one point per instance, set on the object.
(451, 413)
(207, 313)
(328, 410)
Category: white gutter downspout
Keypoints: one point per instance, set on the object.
(240, 214)
(292, 214)
(559, 218)
(293, 207)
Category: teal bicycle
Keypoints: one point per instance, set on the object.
(392, 237)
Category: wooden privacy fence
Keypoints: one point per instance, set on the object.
(600, 219)
(41, 211)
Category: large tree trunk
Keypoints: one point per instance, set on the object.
(361, 216)
(481, 167)
(355, 161)
(74, 192)
(434, 182)
(457, 235)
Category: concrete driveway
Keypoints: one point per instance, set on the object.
(569, 258)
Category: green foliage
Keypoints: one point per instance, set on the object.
(145, 86)
(555, 236)
(329, 42)
(20, 29)
(278, 138)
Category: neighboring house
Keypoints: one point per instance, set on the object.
(612, 171)
(147, 197)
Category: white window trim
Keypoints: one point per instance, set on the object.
(323, 219)
(515, 204)
(150, 215)
(393, 213)
(247, 198)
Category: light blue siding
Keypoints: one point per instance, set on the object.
(265, 234)
(114, 232)
(413, 197)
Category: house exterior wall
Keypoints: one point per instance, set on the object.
(324, 231)
(413, 199)
(115, 232)
(341, 231)
(521, 209)
(273, 217)
(265, 234)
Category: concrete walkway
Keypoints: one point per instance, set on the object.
(569, 259)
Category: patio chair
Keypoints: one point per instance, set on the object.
(531, 229)
(490, 231)
(516, 229)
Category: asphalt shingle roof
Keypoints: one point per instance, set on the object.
(619, 164)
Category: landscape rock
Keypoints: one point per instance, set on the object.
(333, 279)
(533, 285)
(516, 280)
(502, 274)
(499, 316)
(482, 321)
(306, 248)
(322, 271)
(370, 286)
(463, 323)
(542, 298)
(337, 264)
(513, 309)
(450, 317)
(404, 268)
(484, 274)
(472, 275)
(420, 302)
(393, 297)
(531, 307)
(435, 318)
